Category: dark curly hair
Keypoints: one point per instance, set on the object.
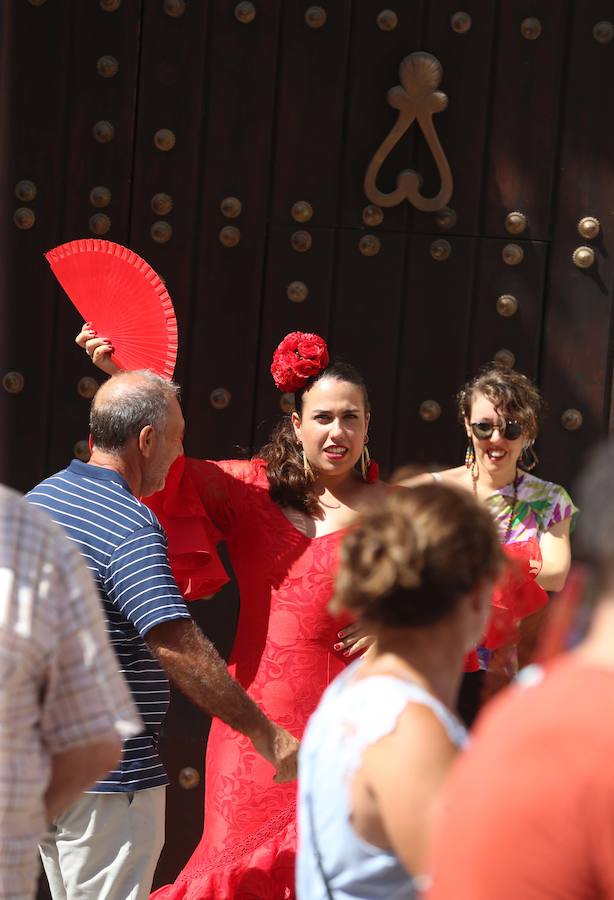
(289, 484)
(509, 391)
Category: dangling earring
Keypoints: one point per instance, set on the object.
(529, 457)
(365, 459)
(471, 461)
(307, 465)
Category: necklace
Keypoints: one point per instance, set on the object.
(510, 521)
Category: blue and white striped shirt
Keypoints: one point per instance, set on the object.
(125, 549)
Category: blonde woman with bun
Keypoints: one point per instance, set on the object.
(418, 572)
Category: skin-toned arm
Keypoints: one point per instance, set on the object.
(74, 771)
(556, 553)
(405, 772)
(195, 666)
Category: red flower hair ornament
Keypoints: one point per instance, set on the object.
(298, 358)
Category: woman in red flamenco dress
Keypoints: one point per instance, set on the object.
(282, 516)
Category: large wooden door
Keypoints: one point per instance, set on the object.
(227, 143)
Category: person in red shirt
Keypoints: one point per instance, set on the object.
(528, 813)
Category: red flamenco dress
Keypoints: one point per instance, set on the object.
(282, 655)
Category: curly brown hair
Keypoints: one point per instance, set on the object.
(408, 561)
(289, 483)
(509, 391)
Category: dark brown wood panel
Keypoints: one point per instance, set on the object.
(310, 111)
(526, 96)
(577, 351)
(435, 335)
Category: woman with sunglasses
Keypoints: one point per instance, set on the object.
(500, 410)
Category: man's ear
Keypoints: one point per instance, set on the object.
(146, 440)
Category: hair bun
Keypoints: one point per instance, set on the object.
(299, 357)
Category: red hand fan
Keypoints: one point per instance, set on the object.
(123, 298)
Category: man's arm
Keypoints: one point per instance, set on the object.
(195, 666)
(74, 771)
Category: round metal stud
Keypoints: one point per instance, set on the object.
(103, 132)
(301, 241)
(572, 419)
(13, 382)
(25, 191)
(369, 245)
(100, 196)
(107, 66)
(82, 450)
(441, 249)
(37, 2)
(445, 218)
(99, 223)
(230, 236)
(372, 215)
(174, 8)
(220, 398)
(583, 257)
(531, 28)
(505, 358)
(286, 402)
(109, 5)
(231, 207)
(297, 291)
(87, 387)
(387, 20)
(302, 211)
(161, 204)
(189, 778)
(315, 16)
(24, 218)
(161, 231)
(164, 139)
(245, 13)
(460, 22)
(603, 32)
(512, 254)
(429, 410)
(515, 222)
(589, 227)
(507, 305)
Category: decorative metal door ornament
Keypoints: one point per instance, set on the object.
(416, 97)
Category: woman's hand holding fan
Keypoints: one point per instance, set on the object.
(99, 349)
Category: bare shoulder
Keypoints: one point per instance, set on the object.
(451, 476)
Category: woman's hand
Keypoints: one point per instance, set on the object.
(98, 349)
(354, 638)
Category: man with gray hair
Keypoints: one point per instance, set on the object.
(107, 845)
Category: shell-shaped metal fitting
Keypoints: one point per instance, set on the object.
(107, 66)
(87, 387)
(507, 305)
(512, 254)
(429, 410)
(220, 398)
(515, 222)
(161, 231)
(161, 204)
(297, 291)
(100, 196)
(82, 450)
(505, 358)
(315, 16)
(603, 32)
(301, 241)
(583, 257)
(387, 20)
(231, 207)
(109, 5)
(302, 211)
(230, 236)
(189, 778)
(37, 2)
(572, 419)
(164, 139)
(531, 28)
(369, 245)
(174, 8)
(446, 218)
(13, 382)
(589, 227)
(245, 13)
(460, 22)
(99, 223)
(103, 132)
(24, 218)
(441, 249)
(286, 402)
(372, 215)
(25, 190)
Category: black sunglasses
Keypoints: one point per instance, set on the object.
(509, 428)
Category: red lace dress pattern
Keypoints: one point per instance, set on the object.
(282, 655)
